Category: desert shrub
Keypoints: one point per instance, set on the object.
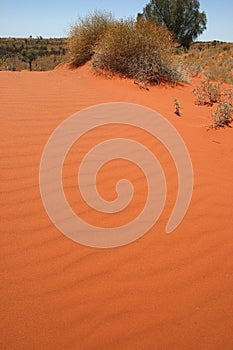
(227, 96)
(223, 115)
(85, 34)
(208, 93)
(141, 50)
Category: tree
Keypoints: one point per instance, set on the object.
(181, 17)
(29, 56)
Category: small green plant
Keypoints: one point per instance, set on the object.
(177, 107)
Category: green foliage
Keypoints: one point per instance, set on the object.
(181, 17)
(29, 56)
(85, 34)
(140, 50)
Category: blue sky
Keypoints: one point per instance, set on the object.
(52, 18)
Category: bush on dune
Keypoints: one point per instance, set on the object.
(85, 34)
(141, 49)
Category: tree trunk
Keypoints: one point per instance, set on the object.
(30, 65)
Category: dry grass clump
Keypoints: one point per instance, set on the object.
(85, 34)
(141, 50)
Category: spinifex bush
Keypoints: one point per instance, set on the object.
(141, 50)
(85, 35)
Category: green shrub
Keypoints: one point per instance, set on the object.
(85, 34)
(141, 50)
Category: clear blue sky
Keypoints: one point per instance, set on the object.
(52, 18)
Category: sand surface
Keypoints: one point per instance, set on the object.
(161, 292)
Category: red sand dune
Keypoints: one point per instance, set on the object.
(160, 292)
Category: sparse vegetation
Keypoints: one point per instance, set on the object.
(141, 50)
(50, 52)
(209, 60)
(213, 60)
(151, 49)
(208, 93)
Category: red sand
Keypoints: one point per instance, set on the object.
(160, 292)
